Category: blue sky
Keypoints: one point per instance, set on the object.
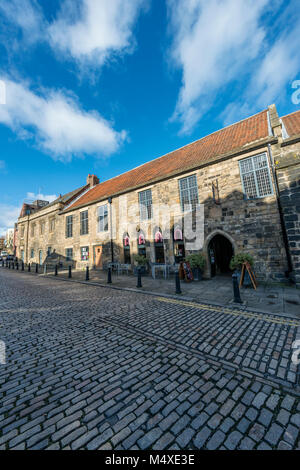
(104, 86)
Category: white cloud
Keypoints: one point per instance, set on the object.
(8, 216)
(278, 67)
(212, 44)
(90, 31)
(56, 124)
(87, 31)
(42, 197)
(25, 15)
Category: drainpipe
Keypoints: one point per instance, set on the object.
(111, 230)
(282, 222)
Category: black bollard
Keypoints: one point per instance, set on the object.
(9, 265)
(22, 265)
(87, 274)
(109, 276)
(70, 272)
(177, 283)
(29, 267)
(139, 277)
(17, 266)
(55, 270)
(36, 268)
(12, 265)
(236, 290)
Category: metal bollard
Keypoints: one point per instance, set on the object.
(9, 265)
(22, 265)
(17, 266)
(177, 283)
(70, 272)
(87, 274)
(29, 267)
(12, 265)
(139, 277)
(109, 276)
(236, 290)
(55, 270)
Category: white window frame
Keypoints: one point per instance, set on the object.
(145, 201)
(189, 187)
(86, 225)
(102, 211)
(254, 172)
(69, 217)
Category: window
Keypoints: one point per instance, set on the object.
(103, 218)
(255, 176)
(188, 192)
(126, 245)
(145, 200)
(69, 254)
(69, 226)
(32, 253)
(141, 244)
(84, 253)
(84, 223)
(159, 247)
(52, 225)
(179, 250)
(42, 228)
(49, 251)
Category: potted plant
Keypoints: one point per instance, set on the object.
(197, 262)
(236, 265)
(139, 262)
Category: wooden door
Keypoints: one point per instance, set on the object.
(98, 256)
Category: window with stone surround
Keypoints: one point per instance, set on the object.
(84, 251)
(69, 254)
(145, 201)
(52, 225)
(84, 223)
(42, 228)
(69, 226)
(255, 176)
(103, 218)
(32, 253)
(188, 190)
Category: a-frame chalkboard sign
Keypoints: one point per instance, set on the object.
(246, 266)
(185, 272)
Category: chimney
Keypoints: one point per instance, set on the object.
(92, 180)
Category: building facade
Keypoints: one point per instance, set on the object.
(242, 183)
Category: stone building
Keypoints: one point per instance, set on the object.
(240, 175)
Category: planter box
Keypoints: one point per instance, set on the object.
(197, 274)
(143, 270)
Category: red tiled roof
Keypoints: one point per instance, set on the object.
(292, 123)
(219, 143)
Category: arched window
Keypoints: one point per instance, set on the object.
(141, 244)
(126, 247)
(159, 247)
(178, 243)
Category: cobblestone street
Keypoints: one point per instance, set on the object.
(90, 367)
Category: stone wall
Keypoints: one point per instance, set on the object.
(250, 225)
(288, 174)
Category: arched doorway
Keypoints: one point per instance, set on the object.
(220, 252)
